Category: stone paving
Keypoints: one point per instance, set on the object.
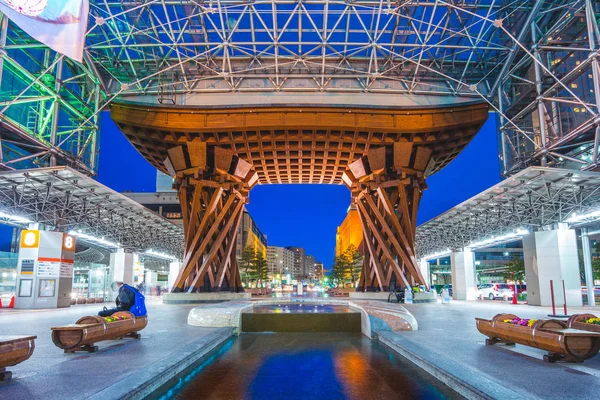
(448, 339)
(115, 369)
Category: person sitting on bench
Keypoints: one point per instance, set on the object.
(125, 300)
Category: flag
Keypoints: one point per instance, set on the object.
(59, 24)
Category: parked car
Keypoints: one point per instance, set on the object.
(449, 287)
(521, 288)
(493, 291)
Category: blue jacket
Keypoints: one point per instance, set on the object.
(125, 299)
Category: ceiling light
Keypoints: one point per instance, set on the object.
(160, 255)
(433, 256)
(15, 218)
(509, 237)
(574, 218)
(92, 239)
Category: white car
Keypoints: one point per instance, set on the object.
(493, 291)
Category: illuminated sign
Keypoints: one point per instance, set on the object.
(68, 242)
(30, 239)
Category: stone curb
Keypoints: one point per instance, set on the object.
(145, 381)
(461, 378)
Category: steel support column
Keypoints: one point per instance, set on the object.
(594, 39)
(56, 110)
(3, 32)
(502, 131)
(539, 89)
(587, 267)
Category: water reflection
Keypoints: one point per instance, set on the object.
(310, 366)
(299, 308)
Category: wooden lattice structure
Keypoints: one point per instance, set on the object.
(217, 155)
(386, 186)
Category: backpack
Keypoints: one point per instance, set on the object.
(139, 303)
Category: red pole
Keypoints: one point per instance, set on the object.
(564, 296)
(515, 295)
(552, 295)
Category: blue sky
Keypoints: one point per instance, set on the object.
(307, 215)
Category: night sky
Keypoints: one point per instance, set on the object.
(307, 215)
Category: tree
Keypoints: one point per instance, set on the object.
(354, 263)
(261, 268)
(515, 271)
(595, 264)
(338, 272)
(246, 263)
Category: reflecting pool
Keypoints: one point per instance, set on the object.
(308, 366)
(300, 308)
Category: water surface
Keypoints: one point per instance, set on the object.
(300, 308)
(296, 366)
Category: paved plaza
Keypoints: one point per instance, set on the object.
(448, 339)
(116, 369)
(447, 344)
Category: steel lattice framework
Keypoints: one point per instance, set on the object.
(536, 62)
(65, 199)
(530, 200)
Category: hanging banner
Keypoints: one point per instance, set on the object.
(59, 24)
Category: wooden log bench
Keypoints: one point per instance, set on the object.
(87, 331)
(576, 322)
(561, 342)
(14, 350)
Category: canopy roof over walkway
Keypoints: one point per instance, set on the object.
(68, 200)
(532, 199)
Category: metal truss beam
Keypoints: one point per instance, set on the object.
(66, 199)
(531, 199)
(535, 62)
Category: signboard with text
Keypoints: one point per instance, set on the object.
(66, 269)
(48, 267)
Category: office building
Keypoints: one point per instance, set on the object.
(349, 232)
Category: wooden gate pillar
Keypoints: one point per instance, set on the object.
(213, 185)
(386, 186)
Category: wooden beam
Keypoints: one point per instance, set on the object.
(229, 250)
(373, 255)
(402, 251)
(382, 243)
(219, 240)
(193, 254)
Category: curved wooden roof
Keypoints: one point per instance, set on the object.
(300, 144)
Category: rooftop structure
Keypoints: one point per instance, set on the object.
(65, 199)
(532, 199)
(314, 53)
(299, 92)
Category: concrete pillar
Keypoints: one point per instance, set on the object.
(424, 267)
(121, 267)
(552, 255)
(587, 267)
(139, 271)
(151, 278)
(174, 268)
(463, 275)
